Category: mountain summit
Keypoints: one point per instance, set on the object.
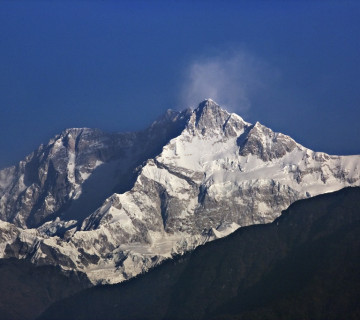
(210, 119)
(115, 205)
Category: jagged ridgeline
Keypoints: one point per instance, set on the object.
(114, 205)
(304, 265)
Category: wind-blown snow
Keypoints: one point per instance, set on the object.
(219, 174)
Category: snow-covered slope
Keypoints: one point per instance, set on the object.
(73, 174)
(216, 174)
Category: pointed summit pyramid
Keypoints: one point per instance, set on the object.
(206, 175)
(210, 115)
(209, 119)
(218, 174)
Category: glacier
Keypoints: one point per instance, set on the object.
(115, 205)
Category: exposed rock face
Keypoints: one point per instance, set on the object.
(304, 265)
(265, 143)
(207, 172)
(73, 174)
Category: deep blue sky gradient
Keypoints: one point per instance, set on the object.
(118, 65)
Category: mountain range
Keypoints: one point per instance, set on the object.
(304, 265)
(112, 206)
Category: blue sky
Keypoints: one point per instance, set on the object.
(292, 65)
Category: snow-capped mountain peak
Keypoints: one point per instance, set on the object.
(210, 120)
(131, 200)
(265, 143)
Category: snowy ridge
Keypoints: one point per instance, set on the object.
(214, 174)
(72, 175)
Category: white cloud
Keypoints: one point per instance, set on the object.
(229, 79)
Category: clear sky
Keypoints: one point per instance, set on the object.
(117, 65)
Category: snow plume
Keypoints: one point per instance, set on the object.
(229, 79)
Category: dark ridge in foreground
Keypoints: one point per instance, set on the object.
(27, 290)
(304, 265)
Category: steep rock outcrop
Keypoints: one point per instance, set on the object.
(209, 173)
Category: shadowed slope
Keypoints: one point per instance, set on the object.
(304, 265)
(26, 290)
